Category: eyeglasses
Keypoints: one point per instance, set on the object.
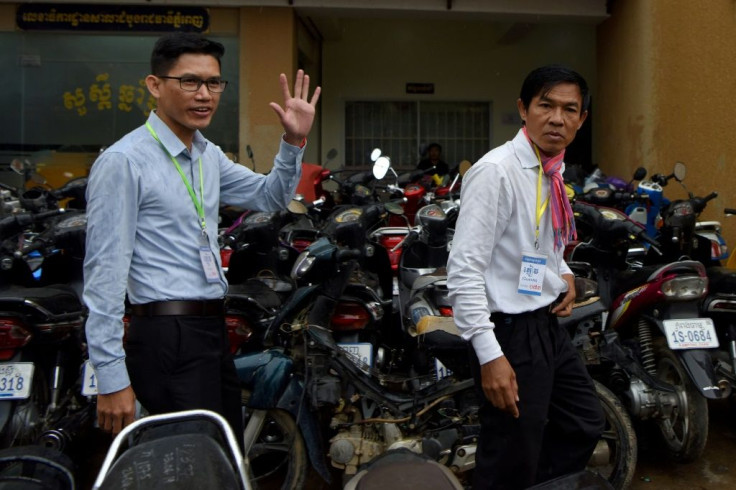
(192, 84)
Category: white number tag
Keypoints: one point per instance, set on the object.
(89, 380)
(15, 380)
(361, 353)
(691, 333)
(440, 370)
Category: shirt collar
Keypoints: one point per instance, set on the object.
(525, 152)
(171, 142)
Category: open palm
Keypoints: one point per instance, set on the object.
(297, 115)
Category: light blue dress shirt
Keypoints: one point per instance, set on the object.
(143, 232)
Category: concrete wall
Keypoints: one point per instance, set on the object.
(666, 81)
(473, 61)
(268, 37)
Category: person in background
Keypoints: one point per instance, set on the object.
(433, 163)
(153, 201)
(507, 281)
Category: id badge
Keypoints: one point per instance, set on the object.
(209, 264)
(531, 275)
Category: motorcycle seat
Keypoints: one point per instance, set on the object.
(437, 277)
(184, 461)
(630, 279)
(401, 468)
(721, 280)
(440, 333)
(254, 290)
(48, 300)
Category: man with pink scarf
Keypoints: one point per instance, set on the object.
(508, 282)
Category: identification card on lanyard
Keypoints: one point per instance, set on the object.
(534, 264)
(531, 275)
(209, 264)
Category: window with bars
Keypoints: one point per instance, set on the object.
(404, 129)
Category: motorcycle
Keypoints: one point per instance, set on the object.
(643, 336)
(42, 346)
(314, 387)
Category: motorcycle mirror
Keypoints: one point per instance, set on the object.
(380, 168)
(640, 173)
(17, 165)
(464, 167)
(331, 154)
(680, 171)
(296, 207)
(249, 152)
(375, 154)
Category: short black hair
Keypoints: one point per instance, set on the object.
(541, 80)
(169, 47)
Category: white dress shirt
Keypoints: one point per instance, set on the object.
(495, 227)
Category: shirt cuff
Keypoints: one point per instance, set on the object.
(486, 346)
(288, 152)
(301, 145)
(565, 269)
(112, 377)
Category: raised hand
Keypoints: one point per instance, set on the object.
(297, 115)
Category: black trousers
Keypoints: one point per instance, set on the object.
(560, 416)
(181, 363)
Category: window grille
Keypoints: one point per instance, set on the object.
(404, 129)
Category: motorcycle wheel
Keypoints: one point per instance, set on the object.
(278, 458)
(616, 452)
(685, 431)
(26, 421)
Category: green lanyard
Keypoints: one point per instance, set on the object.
(540, 208)
(198, 204)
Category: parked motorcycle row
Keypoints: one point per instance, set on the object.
(345, 346)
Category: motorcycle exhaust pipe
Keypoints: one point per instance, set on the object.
(725, 387)
(63, 434)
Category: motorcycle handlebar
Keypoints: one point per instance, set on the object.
(729, 211)
(24, 219)
(408, 240)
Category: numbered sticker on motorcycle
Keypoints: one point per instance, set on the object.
(691, 333)
(361, 353)
(89, 380)
(15, 380)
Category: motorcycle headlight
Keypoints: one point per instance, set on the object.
(302, 265)
(685, 288)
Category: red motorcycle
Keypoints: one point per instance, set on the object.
(640, 330)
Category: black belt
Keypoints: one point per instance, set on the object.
(210, 307)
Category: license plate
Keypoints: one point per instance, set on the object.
(361, 353)
(691, 333)
(15, 380)
(440, 370)
(89, 380)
